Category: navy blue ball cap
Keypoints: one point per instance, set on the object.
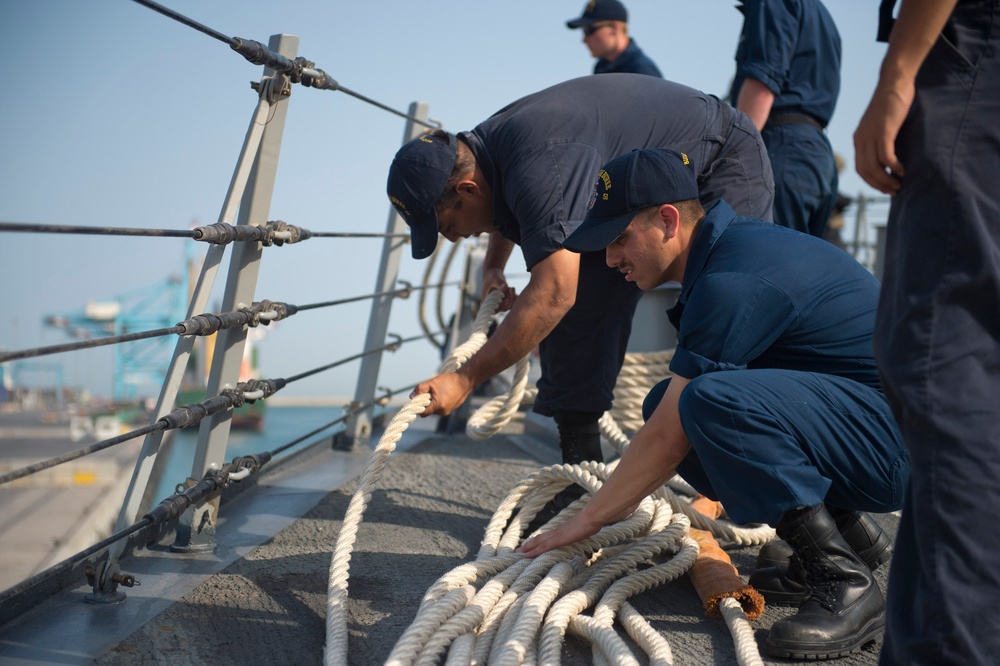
(417, 178)
(600, 10)
(640, 179)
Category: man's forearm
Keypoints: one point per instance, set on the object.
(649, 462)
(530, 319)
(756, 101)
(916, 29)
(549, 295)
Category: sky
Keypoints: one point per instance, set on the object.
(115, 115)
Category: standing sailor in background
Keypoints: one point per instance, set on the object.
(605, 32)
(787, 80)
(931, 138)
(525, 176)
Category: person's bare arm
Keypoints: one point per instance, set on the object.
(650, 460)
(917, 28)
(755, 100)
(550, 294)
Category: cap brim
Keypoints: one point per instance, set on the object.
(598, 233)
(424, 235)
(580, 23)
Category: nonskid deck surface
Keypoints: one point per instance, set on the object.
(426, 516)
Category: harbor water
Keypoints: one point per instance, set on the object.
(281, 425)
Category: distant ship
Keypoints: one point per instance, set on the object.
(248, 417)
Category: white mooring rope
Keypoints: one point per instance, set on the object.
(335, 650)
(503, 608)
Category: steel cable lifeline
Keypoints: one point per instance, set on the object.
(188, 415)
(168, 509)
(259, 312)
(181, 417)
(173, 506)
(274, 232)
(389, 346)
(299, 70)
(458, 600)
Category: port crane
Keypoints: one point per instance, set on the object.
(141, 364)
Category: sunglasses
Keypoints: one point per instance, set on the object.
(591, 29)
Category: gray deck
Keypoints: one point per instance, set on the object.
(426, 516)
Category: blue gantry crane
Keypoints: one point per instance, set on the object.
(141, 364)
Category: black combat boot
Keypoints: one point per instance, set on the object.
(579, 436)
(845, 608)
(779, 576)
(579, 440)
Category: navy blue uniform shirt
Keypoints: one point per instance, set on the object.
(542, 152)
(793, 48)
(631, 61)
(757, 295)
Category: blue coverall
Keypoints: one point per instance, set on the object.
(784, 407)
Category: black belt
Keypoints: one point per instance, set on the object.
(885, 20)
(793, 119)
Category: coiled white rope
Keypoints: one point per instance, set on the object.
(335, 651)
(640, 372)
(519, 599)
(522, 614)
(493, 416)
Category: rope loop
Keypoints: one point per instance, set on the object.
(266, 311)
(297, 76)
(236, 395)
(266, 386)
(314, 77)
(275, 227)
(251, 463)
(252, 312)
